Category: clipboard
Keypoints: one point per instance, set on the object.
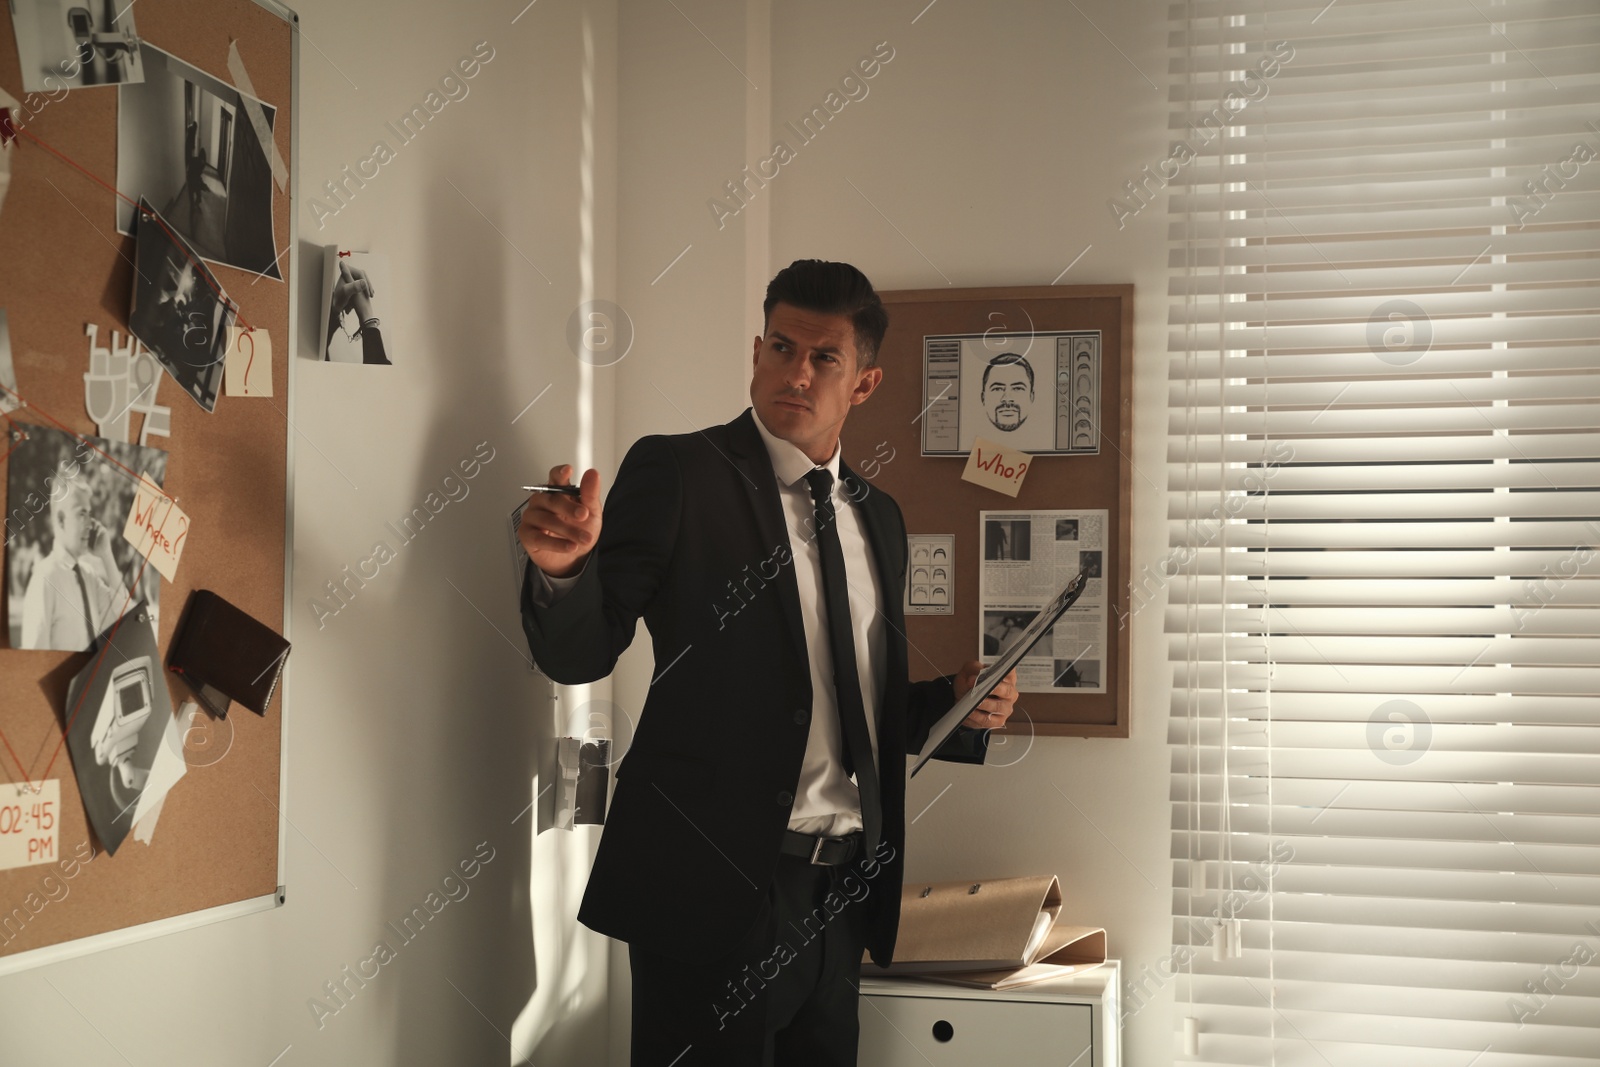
(991, 675)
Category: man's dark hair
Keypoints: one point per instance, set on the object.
(1005, 359)
(832, 289)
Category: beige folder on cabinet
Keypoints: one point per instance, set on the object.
(991, 934)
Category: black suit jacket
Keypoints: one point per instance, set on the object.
(694, 542)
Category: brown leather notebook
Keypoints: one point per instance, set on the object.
(225, 655)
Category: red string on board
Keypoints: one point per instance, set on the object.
(9, 133)
(14, 435)
(58, 424)
(111, 638)
(17, 434)
(176, 240)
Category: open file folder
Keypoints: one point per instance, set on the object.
(994, 934)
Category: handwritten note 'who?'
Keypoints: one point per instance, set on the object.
(996, 467)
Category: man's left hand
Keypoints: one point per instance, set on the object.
(996, 707)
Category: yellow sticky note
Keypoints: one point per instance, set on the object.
(156, 527)
(996, 467)
(248, 368)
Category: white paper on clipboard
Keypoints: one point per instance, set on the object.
(991, 675)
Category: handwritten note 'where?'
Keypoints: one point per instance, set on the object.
(156, 527)
(996, 467)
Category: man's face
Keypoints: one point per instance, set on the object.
(806, 378)
(74, 524)
(1008, 397)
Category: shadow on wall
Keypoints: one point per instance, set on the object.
(499, 723)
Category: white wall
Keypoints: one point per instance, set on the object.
(991, 142)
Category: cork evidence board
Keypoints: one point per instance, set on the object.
(1072, 419)
(142, 101)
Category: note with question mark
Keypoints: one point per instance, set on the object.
(247, 370)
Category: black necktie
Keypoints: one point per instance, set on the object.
(841, 640)
(88, 615)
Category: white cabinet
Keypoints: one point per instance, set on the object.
(1068, 1022)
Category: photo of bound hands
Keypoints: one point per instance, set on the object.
(352, 330)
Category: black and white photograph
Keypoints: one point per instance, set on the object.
(179, 310)
(8, 369)
(1077, 674)
(185, 143)
(118, 708)
(353, 283)
(69, 571)
(1007, 539)
(1031, 560)
(1035, 392)
(1002, 628)
(63, 44)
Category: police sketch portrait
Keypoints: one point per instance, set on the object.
(1008, 391)
(1038, 393)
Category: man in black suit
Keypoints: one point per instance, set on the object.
(755, 841)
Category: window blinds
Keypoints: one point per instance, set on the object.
(1382, 585)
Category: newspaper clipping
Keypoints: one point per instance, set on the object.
(1027, 557)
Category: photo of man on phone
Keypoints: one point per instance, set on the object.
(70, 572)
(77, 590)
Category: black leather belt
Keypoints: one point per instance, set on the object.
(823, 851)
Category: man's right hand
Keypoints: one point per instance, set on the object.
(558, 531)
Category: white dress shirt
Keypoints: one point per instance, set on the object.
(826, 801)
(53, 606)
